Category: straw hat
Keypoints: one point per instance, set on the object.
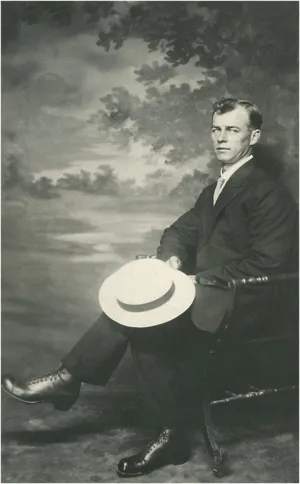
(146, 293)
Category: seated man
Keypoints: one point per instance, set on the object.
(241, 226)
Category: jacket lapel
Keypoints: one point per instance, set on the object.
(229, 192)
(232, 187)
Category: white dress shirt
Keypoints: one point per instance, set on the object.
(226, 174)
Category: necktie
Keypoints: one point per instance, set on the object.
(218, 189)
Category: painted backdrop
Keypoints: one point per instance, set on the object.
(105, 115)
(105, 141)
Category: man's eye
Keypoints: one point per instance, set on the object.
(233, 130)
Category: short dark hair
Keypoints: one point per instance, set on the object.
(229, 104)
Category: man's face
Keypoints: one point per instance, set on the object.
(232, 135)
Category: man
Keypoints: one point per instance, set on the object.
(241, 226)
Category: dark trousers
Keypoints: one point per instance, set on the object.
(169, 361)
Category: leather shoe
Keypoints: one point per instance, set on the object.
(169, 447)
(58, 387)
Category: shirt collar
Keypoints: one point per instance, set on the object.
(230, 171)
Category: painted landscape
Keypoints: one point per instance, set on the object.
(106, 112)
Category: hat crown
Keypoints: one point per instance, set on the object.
(143, 281)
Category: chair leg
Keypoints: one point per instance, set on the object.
(216, 453)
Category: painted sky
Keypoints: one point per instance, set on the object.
(52, 81)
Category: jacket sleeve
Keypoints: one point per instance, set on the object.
(272, 229)
(181, 237)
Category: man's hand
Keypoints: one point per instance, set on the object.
(174, 262)
(193, 278)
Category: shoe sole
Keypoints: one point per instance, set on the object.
(138, 474)
(62, 406)
(17, 398)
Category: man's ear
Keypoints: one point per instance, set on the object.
(255, 135)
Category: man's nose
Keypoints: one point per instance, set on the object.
(222, 136)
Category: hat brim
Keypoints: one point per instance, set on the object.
(181, 299)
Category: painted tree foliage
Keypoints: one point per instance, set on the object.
(242, 49)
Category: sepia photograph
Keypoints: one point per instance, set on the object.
(150, 265)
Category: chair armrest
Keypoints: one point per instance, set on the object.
(262, 280)
(278, 288)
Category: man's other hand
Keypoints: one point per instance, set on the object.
(193, 278)
(174, 262)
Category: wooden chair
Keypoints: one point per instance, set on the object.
(284, 289)
(283, 292)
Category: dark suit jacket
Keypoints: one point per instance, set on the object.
(249, 232)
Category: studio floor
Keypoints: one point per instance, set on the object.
(84, 445)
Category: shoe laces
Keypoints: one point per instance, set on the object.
(160, 438)
(52, 376)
